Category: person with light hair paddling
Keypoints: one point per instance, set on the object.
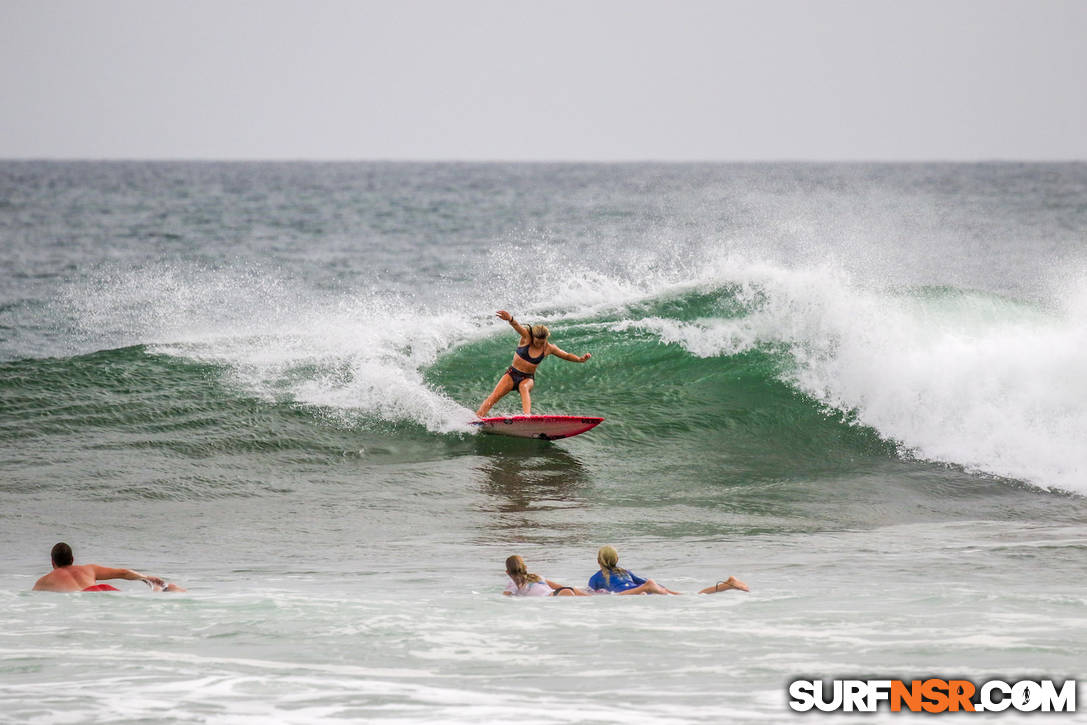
(520, 375)
(612, 578)
(524, 584)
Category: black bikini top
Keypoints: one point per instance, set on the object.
(522, 352)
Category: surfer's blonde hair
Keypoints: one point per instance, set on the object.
(540, 332)
(518, 571)
(608, 559)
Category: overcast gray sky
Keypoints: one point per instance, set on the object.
(590, 79)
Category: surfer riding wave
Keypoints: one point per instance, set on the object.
(520, 375)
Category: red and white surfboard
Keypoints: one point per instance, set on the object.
(544, 427)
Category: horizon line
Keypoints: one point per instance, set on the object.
(567, 161)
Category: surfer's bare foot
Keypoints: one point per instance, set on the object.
(731, 583)
(723, 586)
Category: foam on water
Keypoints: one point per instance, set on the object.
(322, 647)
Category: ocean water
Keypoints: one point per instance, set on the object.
(859, 388)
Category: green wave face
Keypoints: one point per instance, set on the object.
(129, 423)
(777, 376)
(786, 374)
(726, 418)
(731, 414)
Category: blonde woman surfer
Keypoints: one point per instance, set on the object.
(524, 584)
(531, 351)
(613, 578)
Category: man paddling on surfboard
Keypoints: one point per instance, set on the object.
(531, 351)
(67, 576)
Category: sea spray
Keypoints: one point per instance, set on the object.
(987, 383)
(965, 378)
(353, 356)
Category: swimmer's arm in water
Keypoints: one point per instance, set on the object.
(559, 352)
(513, 323)
(105, 572)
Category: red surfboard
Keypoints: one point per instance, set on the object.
(544, 427)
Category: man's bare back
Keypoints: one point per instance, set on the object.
(77, 577)
(68, 576)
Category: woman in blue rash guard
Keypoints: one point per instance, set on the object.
(612, 578)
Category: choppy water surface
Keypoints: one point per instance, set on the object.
(857, 387)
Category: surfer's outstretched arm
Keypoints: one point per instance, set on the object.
(157, 584)
(109, 572)
(513, 323)
(570, 357)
